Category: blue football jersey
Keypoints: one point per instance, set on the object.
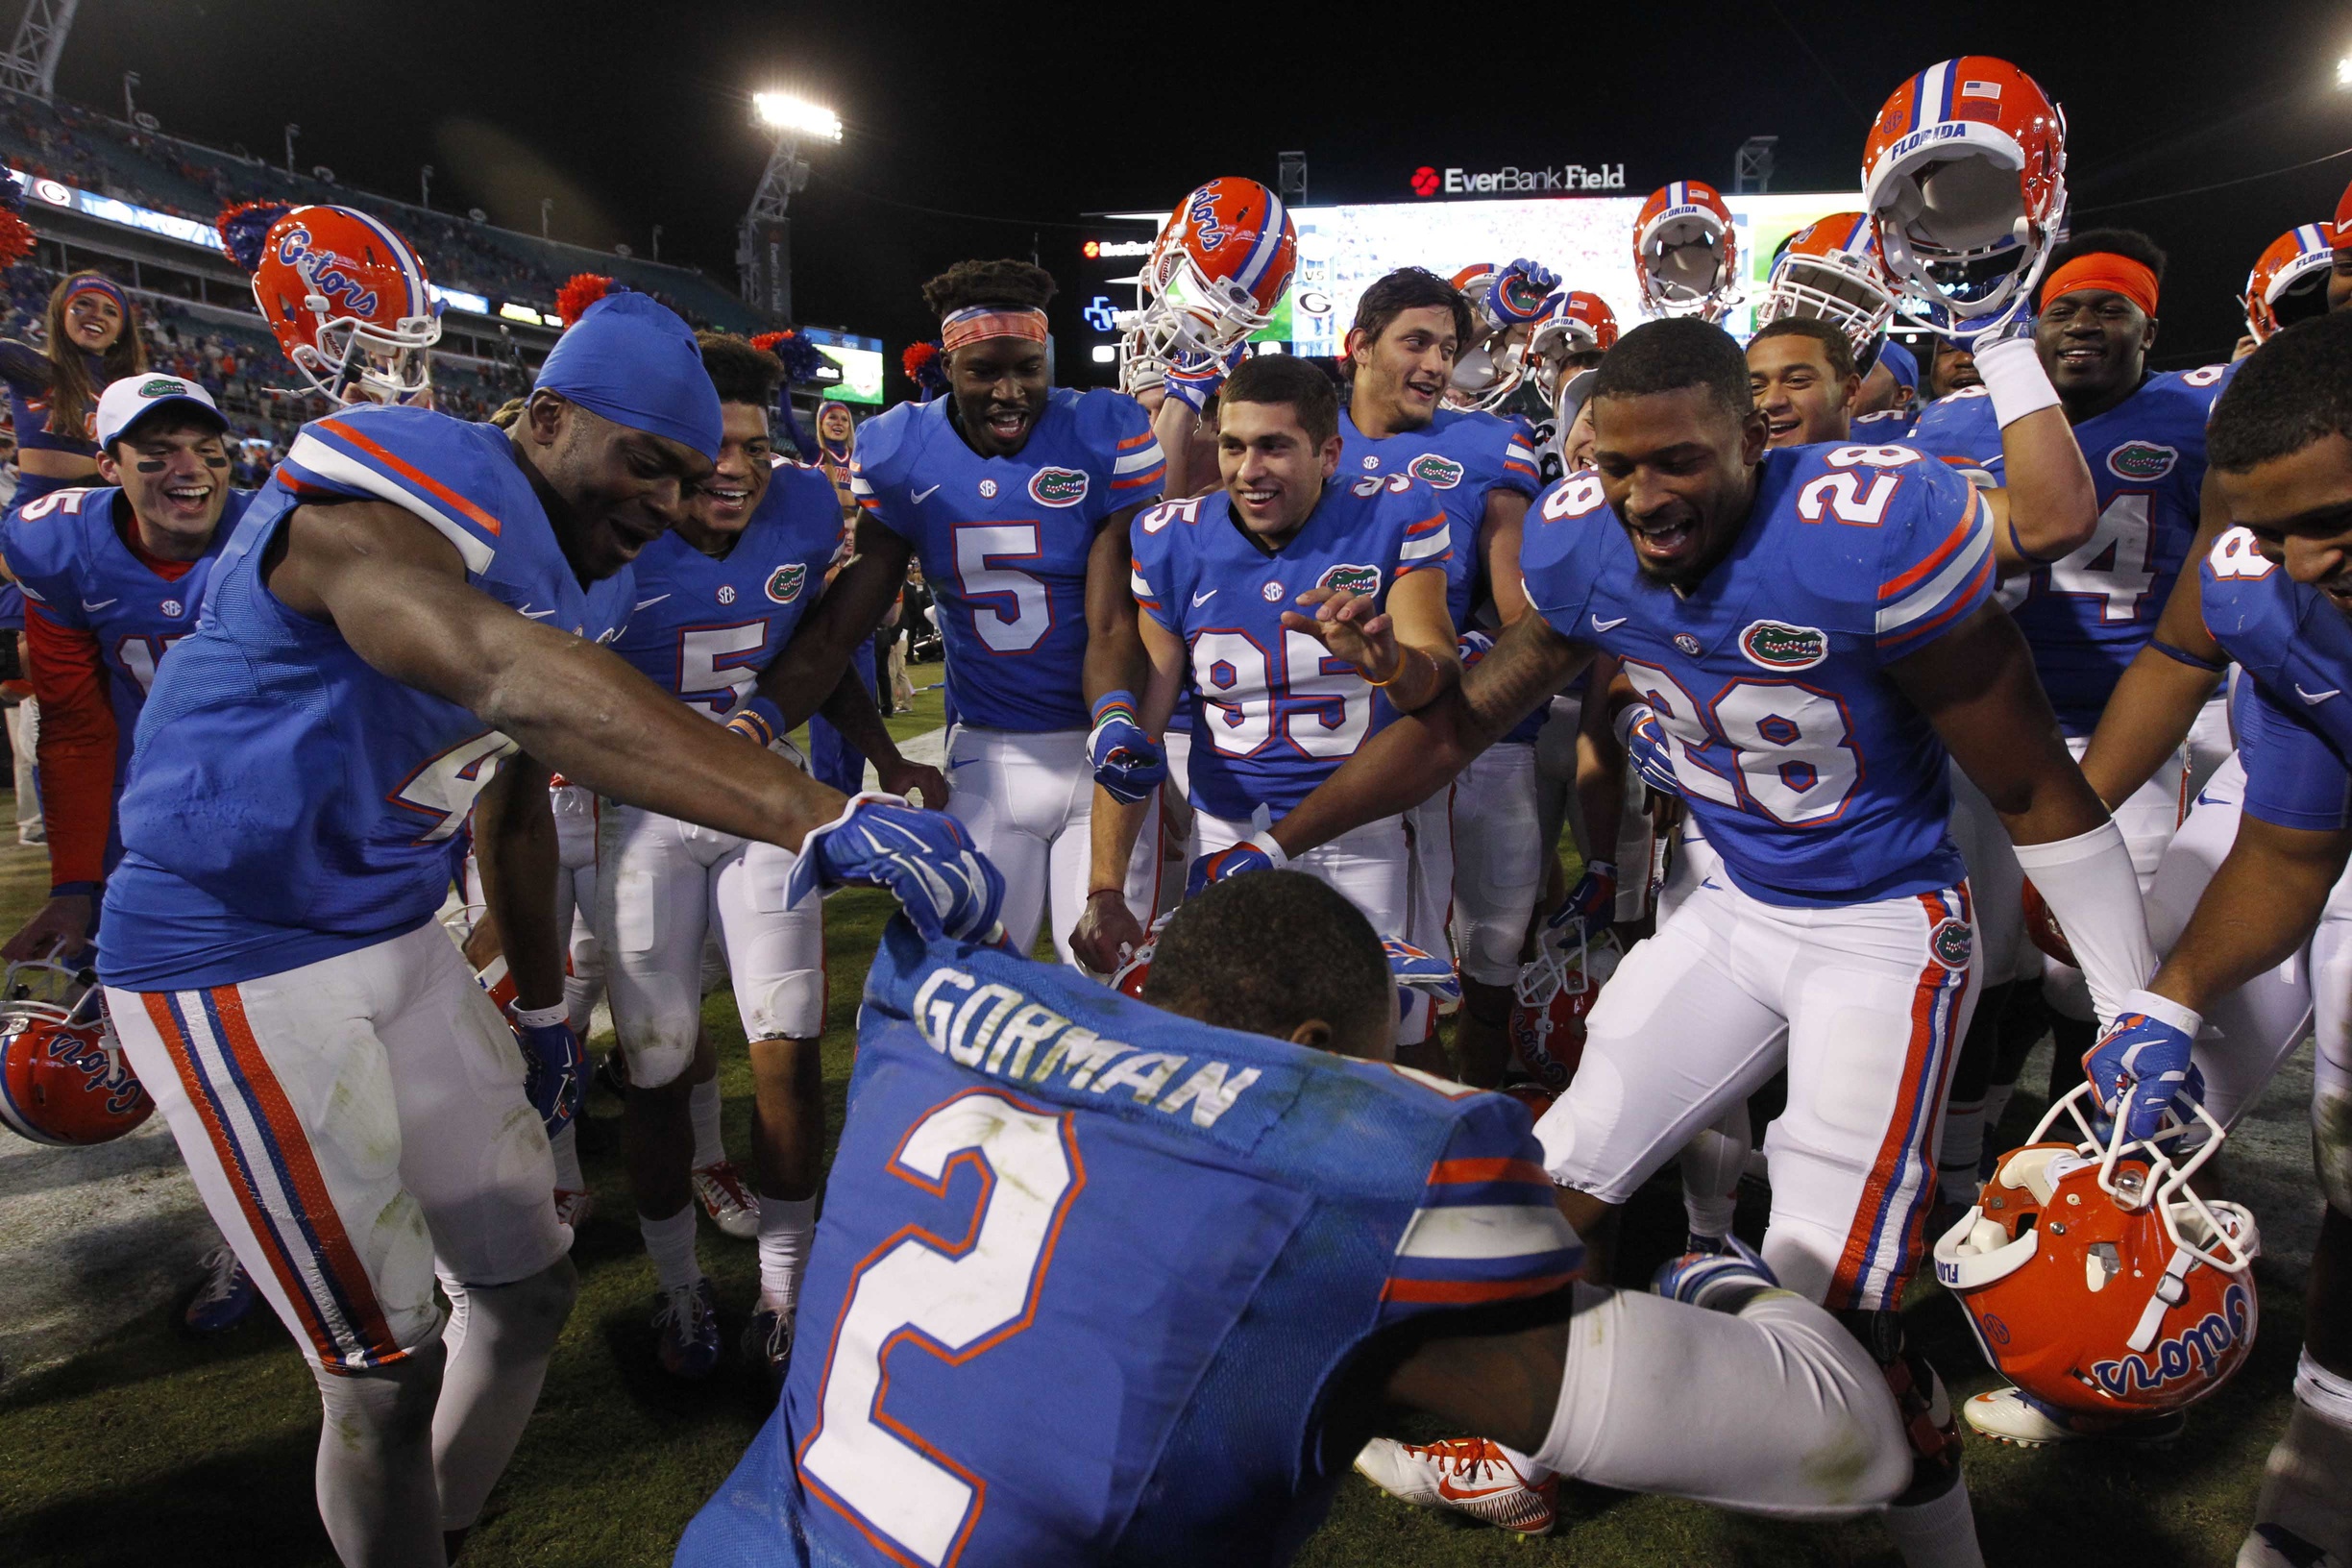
(704, 627)
(1273, 712)
(1004, 541)
(1463, 456)
(66, 550)
(287, 801)
(2293, 711)
(1887, 425)
(1812, 774)
(1089, 1272)
(2088, 613)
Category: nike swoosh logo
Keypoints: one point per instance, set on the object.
(1460, 1494)
(99, 605)
(921, 496)
(641, 603)
(1198, 599)
(2315, 699)
(1600, 625)
(965, 763)
(535, 615)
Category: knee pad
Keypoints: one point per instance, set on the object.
(792, 1007)
(657, 1055)
(1930, 1425)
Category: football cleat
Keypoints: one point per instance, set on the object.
(727, 1201)
(767, 1342)
(686, 1330)
(2275, 1546)
(226, 1296)
(1468, 1475)
(2012, 1416)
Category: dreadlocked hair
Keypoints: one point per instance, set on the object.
(967, 283)
(741, 372)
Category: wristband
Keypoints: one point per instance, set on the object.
(2015, 380)
(1262, 842)
(1119, 704)
(758, 721)
(2171, 651)
(537, 1018)
(1624, 721)
(1393, 675)
(2163, 1010)
(76, 890)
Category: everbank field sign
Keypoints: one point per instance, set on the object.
(1513, 181)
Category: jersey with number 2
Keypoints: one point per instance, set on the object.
(1813, 774)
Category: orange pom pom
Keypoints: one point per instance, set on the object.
(766, 342)
(580, 291)
(16, 239)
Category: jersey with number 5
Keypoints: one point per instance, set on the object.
(1005, 540)
(287, 801)
(1090, 1275)
(2088, 613)
(1273, 712)
(1815, 777)
(702, 627)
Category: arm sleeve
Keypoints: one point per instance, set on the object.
(75, 754)
(2294, 778)
(1939, 566)
(25, 367)
(1486, 1229)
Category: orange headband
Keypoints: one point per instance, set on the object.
(2103, 269)
(973, 323)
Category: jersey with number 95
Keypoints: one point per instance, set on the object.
(287, 801)
(1004, 541)
(1814, 776)
(2088, 613)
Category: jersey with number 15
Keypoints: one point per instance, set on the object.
(1005, 540)
(2088, 613)
(1814, 776)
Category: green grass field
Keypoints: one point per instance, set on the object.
(152, 1448)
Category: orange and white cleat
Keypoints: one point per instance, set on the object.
(1469, 1475)
(728, 1199)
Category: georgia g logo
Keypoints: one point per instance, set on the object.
(1437, 472)
(1352, 579)
(1058, 486)
(784, 585)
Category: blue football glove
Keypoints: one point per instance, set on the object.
(2140, 1069)
(946, 884)
(1722, 1282)
(555, 1065)
(1259, 852)
(1591, 907)
(1519, 292)
(1414, 969)
(1125, 761)
(1644, 740)
(1194, 379)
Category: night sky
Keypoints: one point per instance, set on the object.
(1010, 122)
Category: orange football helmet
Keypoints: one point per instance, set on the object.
(1489, 368)
(346, 296)
(2096, 1280)
(1572, 322)
(1964, 173)
(2343, 220)
(1829, 269)
(63, 1078)
(2042, 926)
(1685, 253)
(2288, 282)
(1555, 990)
(1220, 267)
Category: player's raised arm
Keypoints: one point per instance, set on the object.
(2047, 507)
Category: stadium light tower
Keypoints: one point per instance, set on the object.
(763, 247)
(29, 65)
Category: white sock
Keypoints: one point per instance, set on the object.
(670, 1244)
(1526, 1464)
(1964, 1135)
(709, 1150)
(785, 1227)
(565, 1146)
(1940, 1532)
(2303, 1480)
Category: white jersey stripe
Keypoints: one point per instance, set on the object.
(1931, 597)
(1486, 1231)
(1140, 458)
(310, 452)
(1427, 545)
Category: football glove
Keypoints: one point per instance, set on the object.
(1721, 1281)
(1126, 763)
(555, 1065)
(926, 858)
(1591, 907)
(1194, 379)
(1259, 852)
(1644, 740)
(2140, 1069)
(1520, 291)
(1414, 969)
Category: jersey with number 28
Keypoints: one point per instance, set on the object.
(1813, 774)
(1088, 1271)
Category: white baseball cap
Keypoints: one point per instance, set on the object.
(127, 402)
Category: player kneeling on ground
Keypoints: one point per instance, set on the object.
(412, 602)
(1206, 1254)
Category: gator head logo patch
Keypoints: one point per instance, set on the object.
(1436, 471)
(785, 585)
(2142, 460)
(1776, 645)
(1058, 486)
(162, 386)
(1951, 943)
(1353, 579)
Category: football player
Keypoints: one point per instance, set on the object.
(410, 603)
(1951, 367)
(1309, 607)
(1016, 495)
(1329, 1239)
(1840, 941)
(2276, 595)
(1410, 328)
(717, 597)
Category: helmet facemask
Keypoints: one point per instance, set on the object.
(352, 360)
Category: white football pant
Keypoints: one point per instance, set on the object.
(1864, 1004)
(349, 1123)
(1499, 862)
(1028, 801)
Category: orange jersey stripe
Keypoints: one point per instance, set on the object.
(415, 475)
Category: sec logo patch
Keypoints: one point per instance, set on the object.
(988, 489)
(1272, 593)
(1371, 464)
(1688, 644)
(726, 592)
(173, 608)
